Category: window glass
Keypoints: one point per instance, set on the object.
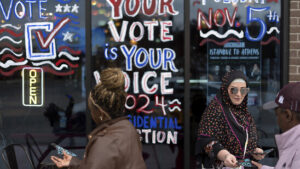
(243, 35)
(42, 66)
(145, 39)
(42, 55)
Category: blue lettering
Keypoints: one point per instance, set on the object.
(251, 19)
(6, 15)
(114, 54)
(169, 56)
(160, 121)
(158, 64)
(138, 55)
(106, 52)
(134, 120)
(178, 127)
(30, 6)
(113, 51)
(128, 56)
(22, 9)
(146, 122)
(171, 123)
(153, 122)
(166, 123)
(20, 14)
(140, 121)
(42, 9)
(164, 61)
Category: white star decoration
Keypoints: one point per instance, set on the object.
(58, 8)
(75, 8)
(67, 8)
(68, 36)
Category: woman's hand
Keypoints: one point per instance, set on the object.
(65, 162)
(258, 154)
(230, 161)
(258, 165)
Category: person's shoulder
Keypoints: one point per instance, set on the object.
(214, 103)
(122, 127)
(213, 109)
(115, 129)
(124, 123)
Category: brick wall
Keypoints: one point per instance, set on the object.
(294, 63)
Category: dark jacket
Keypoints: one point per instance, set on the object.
(112, 145)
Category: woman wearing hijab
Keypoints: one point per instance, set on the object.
(114, 143)
(227, 132)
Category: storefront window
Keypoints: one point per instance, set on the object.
(42, 65)
(242, 35)
(145, 39)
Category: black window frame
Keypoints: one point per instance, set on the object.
(284, 56)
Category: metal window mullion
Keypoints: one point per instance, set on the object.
(187, 84)
(88, 56)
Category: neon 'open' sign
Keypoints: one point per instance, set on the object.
(32, 87)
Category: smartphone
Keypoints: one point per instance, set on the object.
(245, 162)
(60, 150)
(265, 152)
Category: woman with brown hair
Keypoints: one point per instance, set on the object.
(114, 143)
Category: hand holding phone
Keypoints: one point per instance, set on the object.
(60, 150)
(265, 152)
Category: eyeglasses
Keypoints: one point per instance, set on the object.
(243, 90)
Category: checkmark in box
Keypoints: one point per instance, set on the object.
(46, 43)
(30, 54)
